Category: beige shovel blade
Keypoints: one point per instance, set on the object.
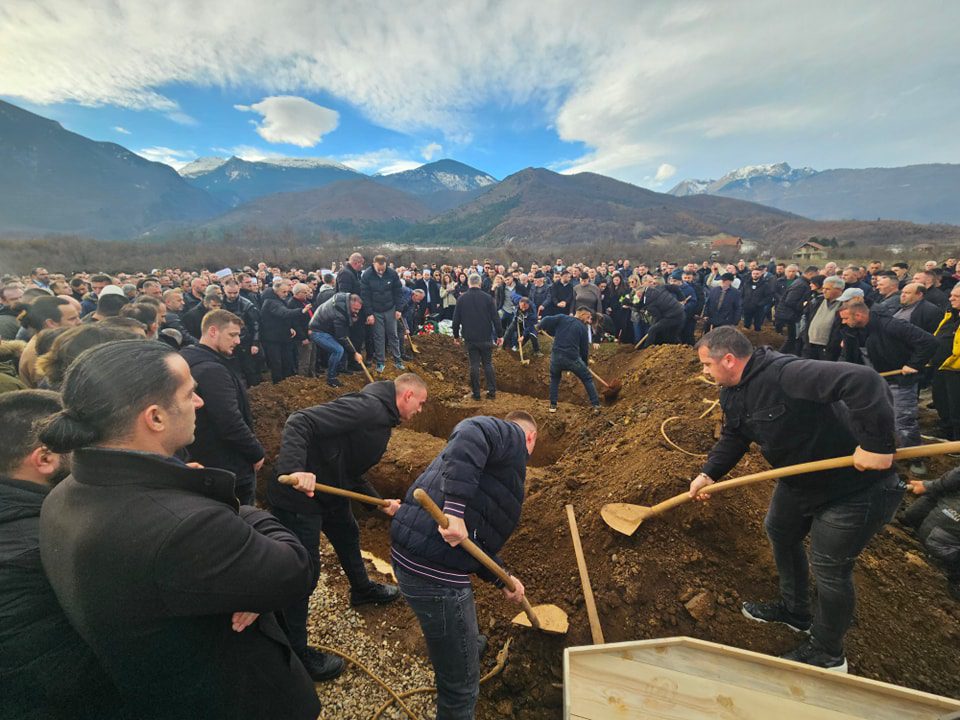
(624, 517)
(552, 619)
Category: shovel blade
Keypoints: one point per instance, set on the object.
(552, 619)
(624, 517)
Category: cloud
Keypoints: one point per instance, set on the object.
(385, 161)
(121, 130)
(664, 173)
(634, 84)
(168, 156)
(293, 120)
(429, 151)
(181, 118)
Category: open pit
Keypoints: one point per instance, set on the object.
(907, 629)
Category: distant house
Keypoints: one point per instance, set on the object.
(727, 243)
(810, 251)
(924, 248)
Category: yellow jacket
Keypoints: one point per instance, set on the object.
(952, 362)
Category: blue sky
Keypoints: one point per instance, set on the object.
(650, 93)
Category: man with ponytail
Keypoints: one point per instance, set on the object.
(170, 582)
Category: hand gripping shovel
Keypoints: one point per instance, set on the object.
(330, 490)
(548, 618)
(406, 330)
(626, 518)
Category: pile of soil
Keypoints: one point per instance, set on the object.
(684, 573)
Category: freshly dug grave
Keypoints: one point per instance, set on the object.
(684, 573)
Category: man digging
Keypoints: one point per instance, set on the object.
(794, 410)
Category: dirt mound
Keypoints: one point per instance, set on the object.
(684, 573)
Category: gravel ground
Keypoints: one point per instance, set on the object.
(335, 624)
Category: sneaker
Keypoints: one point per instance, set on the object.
(918, 468)
(471, 396)
(380, 368)
(399, 365)
(553, 408)
(376, 594)
(334, 383)
(811, 653)
(513, 349)
(596, 409)
(491, 396)
(774, 612)
(321, 666)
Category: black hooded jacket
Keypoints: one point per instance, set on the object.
(801, 410)
(338, 442)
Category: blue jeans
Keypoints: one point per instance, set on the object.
(838, 533)
(579, 368)
(328, 342)
(448, 618)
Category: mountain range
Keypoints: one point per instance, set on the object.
(916, 193)
(55, 181)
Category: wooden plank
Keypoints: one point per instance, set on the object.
(596, 631)
(610, 688)
(781, 679)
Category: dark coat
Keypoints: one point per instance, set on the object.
(433, 302)
(303, 320)
(338, 442)
(333, 318)
(46, 669)
(149, 559)
(662, 304)
(193, 320)
(276, 319)
(938, 297)
(224, 437)
(570, 337)
(173, 320)
(787, 406)
(926, 316)
(890, 344)
(794, 297)
(560, 293)
(380, 293)
(478, 476)
(755, 294)
(476, 315)
(348, 281)
(248, 312)
(726, 314)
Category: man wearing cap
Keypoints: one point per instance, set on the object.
(821, 334)
(571, 351)
(723, 304)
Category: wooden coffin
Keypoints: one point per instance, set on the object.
(682, 678)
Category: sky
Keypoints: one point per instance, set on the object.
(646, 92)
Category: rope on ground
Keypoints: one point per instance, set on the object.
(376, 678)
(709, 409)
(672, 444)
(496, 670)
(707, 380)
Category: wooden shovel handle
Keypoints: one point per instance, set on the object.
(605, 383)
(637, 346)
(596, 631)
(362, 364)
(807, 467)
(330, 490)
(890, 373)
(437, 514)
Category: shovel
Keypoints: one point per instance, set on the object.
(612, 389)
(637, 346)
(406, 329)
(362, 364)
(520, 342)
(626, 518)
(330, 490)
(548, 618)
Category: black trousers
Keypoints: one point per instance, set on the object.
(790, 345)
(336, 521)
(481, 354)
(946, 399)
(281, 359)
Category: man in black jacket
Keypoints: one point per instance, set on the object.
(571, 351)
(888, 344)
(330, 330)
(562, 296)
(431, 292)
(173, 303)
(916, 309)
(46, 669)
(193, 318)
(790, 307)
(666, 311)
(478, 479)
(167, 578)
(756, 295)
(224, 436)
(380, 289)
(248, 349)
(336, 443)
(476, 315)
(935, 516)
(792, 409)
(277, 331)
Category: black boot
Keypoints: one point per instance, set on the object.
(321, 666)
(376, 594)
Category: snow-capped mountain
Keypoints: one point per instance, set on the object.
(201, 166)
(917, 193)
(442, 185)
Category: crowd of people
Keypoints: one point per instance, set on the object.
(139, 580)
